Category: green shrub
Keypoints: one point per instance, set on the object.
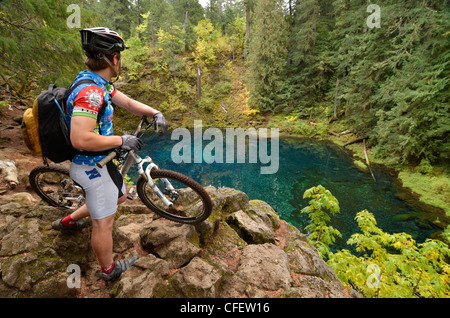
(386, 265)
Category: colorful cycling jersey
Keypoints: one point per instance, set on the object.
(86, 100)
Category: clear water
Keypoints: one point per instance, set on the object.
(305, 163)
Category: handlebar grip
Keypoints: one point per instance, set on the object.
(107, 159)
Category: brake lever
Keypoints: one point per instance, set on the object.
(144, 125)
(139, 128)
(150, 124)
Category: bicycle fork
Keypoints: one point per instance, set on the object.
(151, 165)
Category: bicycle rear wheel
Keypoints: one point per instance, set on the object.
(191, 204)
(55, 186)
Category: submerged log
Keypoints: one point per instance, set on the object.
(368, 162)
(345, 132)
(354, 141)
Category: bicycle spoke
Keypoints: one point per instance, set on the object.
(189, 203)
(183, 203)
(54, 185)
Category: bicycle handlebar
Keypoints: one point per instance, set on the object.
(107, 159)
(113, 154)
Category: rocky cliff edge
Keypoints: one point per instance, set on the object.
(242, 250)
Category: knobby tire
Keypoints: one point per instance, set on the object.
(188, 182)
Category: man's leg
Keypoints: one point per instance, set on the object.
(81, 213)
(73, 221)
(101, 240)
(102, 244)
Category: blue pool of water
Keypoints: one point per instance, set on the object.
(304, 163)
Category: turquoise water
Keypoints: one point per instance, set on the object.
(304, 163)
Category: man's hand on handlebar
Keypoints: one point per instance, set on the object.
(130, 142)
(161, 123)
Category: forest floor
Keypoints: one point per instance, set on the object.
(12, 146)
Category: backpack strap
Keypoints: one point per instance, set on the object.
(102, 109)
(100, 114)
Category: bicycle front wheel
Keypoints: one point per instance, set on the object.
(55, 186)
(190, 203)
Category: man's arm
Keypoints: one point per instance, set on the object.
(133, 106)
(137, 108)
(83, 137)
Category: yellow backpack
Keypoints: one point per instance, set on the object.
(30, 129)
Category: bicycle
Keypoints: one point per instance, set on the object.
(169, 194)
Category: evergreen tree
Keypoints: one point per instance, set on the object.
(309, 62)
(157, 15)
(393, 84)
(213, 11)
(121, 16)
(267, 56)
(222, 13)
(37, 44)
(189, 13)
(413, 116)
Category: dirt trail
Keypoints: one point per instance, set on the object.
(12, 146)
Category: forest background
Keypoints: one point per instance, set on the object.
(376, 69)
(352, 69)
(382, 73)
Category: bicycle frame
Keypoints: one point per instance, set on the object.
(159, 189)
(135, 158)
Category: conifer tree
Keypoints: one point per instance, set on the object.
(268, 56)
(120, 15)
(188, 13)
(413, 120)
(394, 77)
(309, 66)
(38, 45)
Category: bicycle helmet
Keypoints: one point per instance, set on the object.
(101, 40)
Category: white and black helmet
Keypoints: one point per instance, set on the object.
(101, 40)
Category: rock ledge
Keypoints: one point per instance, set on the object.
(242, 250)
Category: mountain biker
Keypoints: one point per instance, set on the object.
(104, 187)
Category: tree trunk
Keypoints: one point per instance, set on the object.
(247, 22)
(199, 82)
(354, 141)
(367, 161)
(153, 30)
(186, 19)
(335, 99)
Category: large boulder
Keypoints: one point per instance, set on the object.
(198, 279)
(26, 237)
(251, 228)
(265, 267)
(171, 241)
(140, 281)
